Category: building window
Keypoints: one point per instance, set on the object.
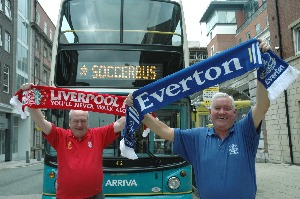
(212, 51)
(220, 17)
(267, 20)
(250, 7)
(240, 40)
(23, 31)
(7, 9)
(37, 70)
(297, 40)
(6, 79)
(248, 35)
(37, 43)
(50, 55)
(51, 35)
(45, 77)
(45, 28)
(7, 42)
(45, 52)
(37, 18)
(22, 58)
(257, 28)
(0, 36)
(20, 80)
(23, 7)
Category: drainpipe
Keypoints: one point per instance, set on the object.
(285, 92)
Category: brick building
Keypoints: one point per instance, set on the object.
(282, 119)
(25, 56)
(7, 77)
(42, 36)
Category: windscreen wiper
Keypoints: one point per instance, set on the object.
(151, 155)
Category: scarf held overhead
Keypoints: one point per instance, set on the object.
(224, 66)
(59, 98)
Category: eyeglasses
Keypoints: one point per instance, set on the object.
(79, 121)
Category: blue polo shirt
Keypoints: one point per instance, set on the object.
(223, 169)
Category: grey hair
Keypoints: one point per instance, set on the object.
(221, 95)
(70, 113)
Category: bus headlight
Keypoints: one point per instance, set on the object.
(173, 183)
(52, 174)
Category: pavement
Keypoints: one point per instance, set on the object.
(277, 181)
(274, 181)
(20, 163)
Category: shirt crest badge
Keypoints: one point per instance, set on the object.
(233, 149)
(69, 145)
(90, 145)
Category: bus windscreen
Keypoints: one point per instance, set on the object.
(108, 21)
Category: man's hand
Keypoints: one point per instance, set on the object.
(26, 86)
(36, 114)
(129, 100)
(263, 46)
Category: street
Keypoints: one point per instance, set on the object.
(276, 181)
(24, 180)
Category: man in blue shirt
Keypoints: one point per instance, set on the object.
(223, 157)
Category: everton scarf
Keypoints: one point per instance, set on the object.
(224, 66)
(59, 98)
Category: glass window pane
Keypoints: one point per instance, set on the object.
(298, 40)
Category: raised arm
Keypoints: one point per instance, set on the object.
(262, 100)
(158, 127)
(262, 104)
(37, 115)
(119, 124)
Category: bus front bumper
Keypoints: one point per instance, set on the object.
(184, 196)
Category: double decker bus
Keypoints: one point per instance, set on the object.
(115, 47)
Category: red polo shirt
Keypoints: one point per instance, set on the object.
(80, 169)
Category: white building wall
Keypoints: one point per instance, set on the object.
(24, 137)
(223, 29)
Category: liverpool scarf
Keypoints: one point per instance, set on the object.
(224, 66)
(59, 98)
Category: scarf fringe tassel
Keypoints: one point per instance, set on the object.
(282, 82)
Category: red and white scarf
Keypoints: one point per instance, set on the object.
(60, 98)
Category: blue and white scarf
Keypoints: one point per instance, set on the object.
(224, 66)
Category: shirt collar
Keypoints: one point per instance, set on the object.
(86, 136)
(211, 131)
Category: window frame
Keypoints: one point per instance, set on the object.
(1, 36)
(7, 8)
(7, 42)
(296, 33)
(257, 28)
(45, 28)
(5, 86)
(248, 35)
(37, 18)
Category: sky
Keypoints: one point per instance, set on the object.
(193, 10)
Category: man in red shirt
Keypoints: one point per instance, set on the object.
(79, 152)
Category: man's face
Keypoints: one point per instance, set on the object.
(222, 114)
(79, 123)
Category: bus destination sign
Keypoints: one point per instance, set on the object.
(125, 72)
